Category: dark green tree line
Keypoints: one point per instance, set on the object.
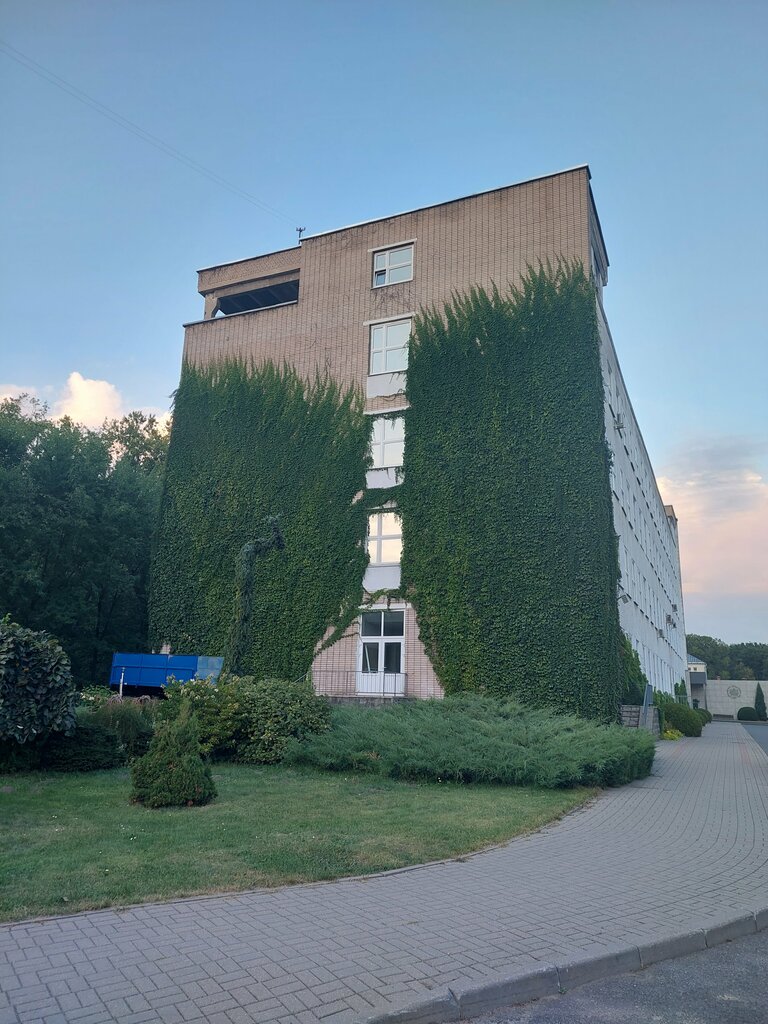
(77, 514)
(729, 661)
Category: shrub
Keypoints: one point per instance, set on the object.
(247, 720)
(91, 747)
(704, 715)
(747, 715)
(468, 738)
(37, 692)
(132, 718)
(680, 716)
(95, 696)
(760, 704)
(671, 734)
(172, 773)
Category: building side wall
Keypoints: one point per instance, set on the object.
(724, 697)
(648, 548)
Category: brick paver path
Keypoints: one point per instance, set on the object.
(687, 847)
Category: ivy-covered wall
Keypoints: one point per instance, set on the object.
(509, 547)
(247, 444)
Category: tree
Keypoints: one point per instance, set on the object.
(760, 704)
(730, 661)
(77, 514)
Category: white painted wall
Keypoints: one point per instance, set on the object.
(648, 546)
(726, 696)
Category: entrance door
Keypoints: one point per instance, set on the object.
(381, 653)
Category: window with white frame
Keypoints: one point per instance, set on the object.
(385, 538)
(387, 441)
(389, 346)
(392, 266)
(381, 647)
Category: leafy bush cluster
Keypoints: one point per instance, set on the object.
(671, 734)
(37, 692)
(680, 716)
(93, 746)
(469, 738)
(747, 714)
(248, 720)
(704, 715)
(172, 773)
(132, 719)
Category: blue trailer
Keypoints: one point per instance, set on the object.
(151, 671)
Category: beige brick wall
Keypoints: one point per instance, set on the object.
(483, 240)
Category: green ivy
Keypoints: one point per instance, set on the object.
(510, 553)
(247, 444)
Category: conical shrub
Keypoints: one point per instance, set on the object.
(172, 773)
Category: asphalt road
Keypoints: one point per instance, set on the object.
(758, 731)
(724, 985)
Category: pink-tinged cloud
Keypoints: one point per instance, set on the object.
(720, 496)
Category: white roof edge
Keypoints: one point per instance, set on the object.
(447, 202)
(247, 259)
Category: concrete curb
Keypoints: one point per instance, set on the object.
(466, 1001)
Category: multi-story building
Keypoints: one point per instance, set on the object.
(342, 302)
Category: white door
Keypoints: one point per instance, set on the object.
(380, 665)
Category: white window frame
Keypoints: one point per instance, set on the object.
(386, 432)
(380, 640)
(380, 530)
(387, 260)
(383, 331)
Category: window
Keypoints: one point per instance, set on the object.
(387, 442)
(391, 266)
(259, 298)
(389, 346)
(385, 540)
(381, 648)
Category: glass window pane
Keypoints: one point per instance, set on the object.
(370, 657)
(398, 333)
(400, 274)
(377, 338)
(380, 260)
(399, 256)
(373, 554)
(379, 429)
(370, 624)
(396, 359)
(380, 277)
(394, 430)
(377, 362)
(393, 623)
(390, 524)
(393, 453)
(391, 550)
(392, 657)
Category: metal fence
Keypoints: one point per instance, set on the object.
(351, 683)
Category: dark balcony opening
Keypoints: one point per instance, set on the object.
(259, 298)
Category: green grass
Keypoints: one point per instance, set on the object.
(73, 842)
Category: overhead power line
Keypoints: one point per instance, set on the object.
(135, 129)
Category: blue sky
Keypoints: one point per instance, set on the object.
(334, 112)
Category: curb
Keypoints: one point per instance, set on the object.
(462, 1002)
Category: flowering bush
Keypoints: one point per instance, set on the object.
(671, 734)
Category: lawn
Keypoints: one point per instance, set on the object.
(73, 842)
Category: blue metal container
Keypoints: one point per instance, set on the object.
(154, 670)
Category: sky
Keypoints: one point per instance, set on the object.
(144, 140)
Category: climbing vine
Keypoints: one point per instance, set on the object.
(509, 547)
(247, 444)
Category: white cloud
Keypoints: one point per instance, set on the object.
(89, 401)
(720, 496)
(14, 390)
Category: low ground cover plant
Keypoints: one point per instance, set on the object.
(248, 720)
(671, 734)
(466, 738)
(172, 773)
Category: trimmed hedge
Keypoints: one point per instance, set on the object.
(91, 747)
(466, 738)
(747, 714)
(680, 716)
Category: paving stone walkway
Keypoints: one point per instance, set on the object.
(685, 848)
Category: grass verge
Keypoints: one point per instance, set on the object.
(73, 842)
